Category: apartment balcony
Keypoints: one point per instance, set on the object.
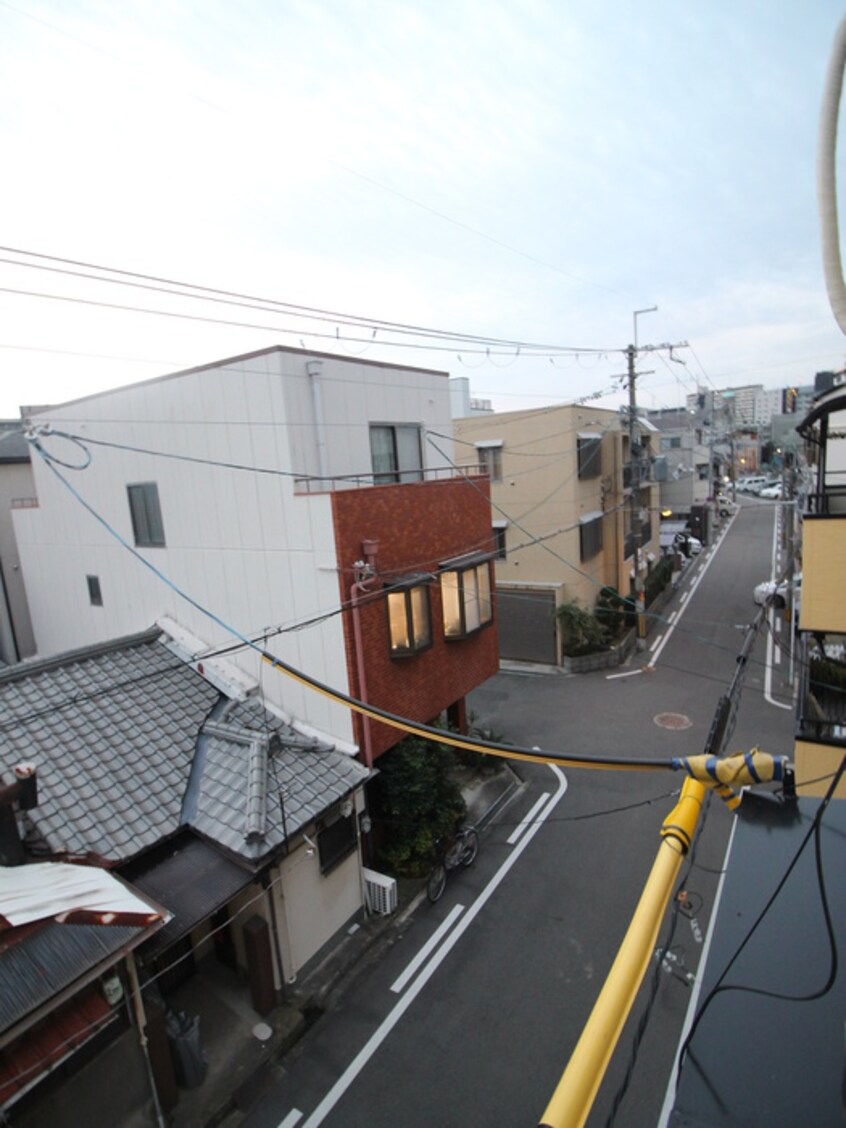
(399, 477)
(830, 503)
(821, 713)
(823, 569)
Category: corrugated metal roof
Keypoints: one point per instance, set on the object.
(113, 731)
(51, 958)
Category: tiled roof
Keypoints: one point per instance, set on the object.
(113, 731)
(298, 781)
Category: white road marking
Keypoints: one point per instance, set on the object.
(401, 1006)
(400, 982)
(521, 827)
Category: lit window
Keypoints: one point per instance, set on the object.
(146, 515)
(395, 453)
(409, 622)
(95, 594)
(466, 598)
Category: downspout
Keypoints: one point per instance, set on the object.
(313, 369)
(364, 571)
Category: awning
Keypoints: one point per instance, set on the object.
(193, 881)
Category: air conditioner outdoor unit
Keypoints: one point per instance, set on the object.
(381, 892)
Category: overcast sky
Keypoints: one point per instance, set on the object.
(526, 171)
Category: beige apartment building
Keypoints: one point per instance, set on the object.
(571, 513)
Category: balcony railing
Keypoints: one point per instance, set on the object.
(360, 481)
(821, 712)
(829, 503)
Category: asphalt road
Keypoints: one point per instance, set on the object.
(469, 1016)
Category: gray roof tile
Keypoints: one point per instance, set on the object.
(113, 731)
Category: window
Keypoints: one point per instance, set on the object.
(498, 535)
(146, 515)
(590, 536)
(95, 595)
(395, 453)
(409, 621)
(490, 459)
(589, 452)
(671, 442)
(466, 598)
(335, 842)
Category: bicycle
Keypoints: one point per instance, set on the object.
(461, 851)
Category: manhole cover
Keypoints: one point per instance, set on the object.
(673, 721)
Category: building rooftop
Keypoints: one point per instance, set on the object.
(116, 732)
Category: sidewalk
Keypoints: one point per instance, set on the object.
(245, 1051)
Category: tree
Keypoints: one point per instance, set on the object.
(419, 803)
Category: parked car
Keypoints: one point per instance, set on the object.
(725, 506)
(688, 544)
(753, 482)
(773, 492)
(775, 592)
(766, 485)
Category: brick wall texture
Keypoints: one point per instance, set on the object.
(418, 525)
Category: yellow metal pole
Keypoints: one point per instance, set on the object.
(573, 1097)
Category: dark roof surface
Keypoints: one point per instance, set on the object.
(767, 1051)
(51, 958)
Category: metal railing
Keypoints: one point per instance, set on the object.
(821, 710)
(314, 485)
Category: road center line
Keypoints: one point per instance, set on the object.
(401, 1006)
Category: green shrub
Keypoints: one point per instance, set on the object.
(614, 612)
(418, 802)
(581, 631)
(657, 580)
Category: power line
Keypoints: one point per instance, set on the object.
(200, 292)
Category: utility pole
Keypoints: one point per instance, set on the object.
(637, 475)
(634, 496)
(635, 469)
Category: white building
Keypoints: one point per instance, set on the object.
(261, 557)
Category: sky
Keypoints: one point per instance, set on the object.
(519, 175)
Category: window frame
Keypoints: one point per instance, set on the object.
(489, 455)
(145, 512)
(589, 455)
(95, 591)
(397, 472)
(590, 536)
(454, 598)
(498, 531)
(404, 592)
(336, 841)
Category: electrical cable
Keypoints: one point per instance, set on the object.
(427, 732)
(197, 292)
(721, 986)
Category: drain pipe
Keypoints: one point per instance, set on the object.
(313, 370)
(364, 572)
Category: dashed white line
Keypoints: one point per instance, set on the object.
(400, 982)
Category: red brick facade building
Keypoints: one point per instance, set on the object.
(420, 629)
